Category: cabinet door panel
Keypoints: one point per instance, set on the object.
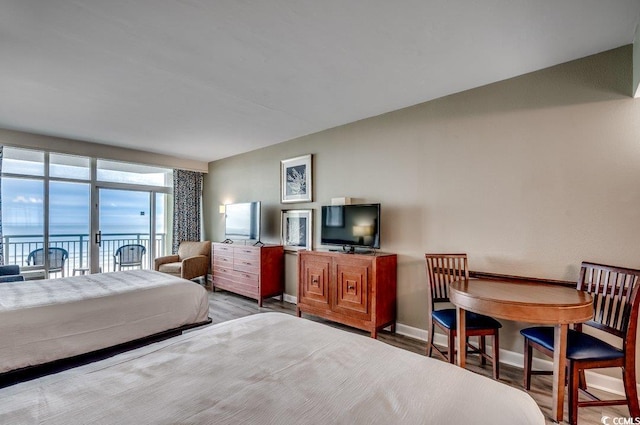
(352, 288)
(314, 281)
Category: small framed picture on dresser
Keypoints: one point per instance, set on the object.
(296, 179)
(297, 229)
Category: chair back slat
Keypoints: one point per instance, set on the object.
(615, 297)
(442, 269)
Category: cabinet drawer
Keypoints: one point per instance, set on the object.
(246, 265)
(222, 281)
(246, 283)
(225, 250)
(248, 253)
(251, 279)
(219, 261)
(222, 271)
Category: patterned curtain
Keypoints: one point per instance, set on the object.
(187, 193)
(1, 236)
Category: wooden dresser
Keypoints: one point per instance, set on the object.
(357, 290)
(253, 271)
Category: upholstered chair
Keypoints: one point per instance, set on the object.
(191, 261)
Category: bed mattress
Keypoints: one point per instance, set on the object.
(268, 369)
(46, 320)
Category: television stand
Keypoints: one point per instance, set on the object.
(352, 289)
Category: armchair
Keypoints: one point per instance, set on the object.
(191, 261)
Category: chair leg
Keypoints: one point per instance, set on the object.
(630, 389)
(573, 384)
(528, 354)
(483, 350)
(583, 380)
(496, 355)
(430, 338)
(452, 347)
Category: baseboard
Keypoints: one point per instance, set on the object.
(594, 379)
(290, 299)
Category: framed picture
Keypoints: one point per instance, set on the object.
(295, 179)
(297, 229)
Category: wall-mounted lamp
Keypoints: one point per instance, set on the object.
(222, 209)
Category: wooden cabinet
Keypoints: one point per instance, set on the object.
(253, 271)
(358, 290)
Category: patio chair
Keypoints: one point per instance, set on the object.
(128, 256)
(57, 259)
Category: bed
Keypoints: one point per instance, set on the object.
(268, 368)
(48, 320)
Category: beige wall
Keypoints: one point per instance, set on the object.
(529, 176)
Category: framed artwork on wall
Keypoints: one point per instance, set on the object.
(297, 229)
(295, 179)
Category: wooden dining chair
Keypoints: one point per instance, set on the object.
(442, 269)
(615, 303)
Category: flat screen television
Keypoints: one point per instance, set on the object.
(352, 226)
(242, 221)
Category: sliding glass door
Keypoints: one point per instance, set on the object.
(82, 209)
(125, 229)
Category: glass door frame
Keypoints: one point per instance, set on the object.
(95, 217)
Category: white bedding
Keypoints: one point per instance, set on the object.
(46, 320)
(267, 369)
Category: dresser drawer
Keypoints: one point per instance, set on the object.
(223, 262)
(246, 265)
(221, 281)
(246, 283)
(252, 279)
(223, 271)
(222, 250)
(246, 253)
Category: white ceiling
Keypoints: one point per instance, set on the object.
(207, 79)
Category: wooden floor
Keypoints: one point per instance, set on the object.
(225, 306)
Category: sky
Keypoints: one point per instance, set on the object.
(23, 209)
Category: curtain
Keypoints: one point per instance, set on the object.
(187, 195)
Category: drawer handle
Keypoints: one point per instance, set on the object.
(315, 280)
(224, 259)
(248, 251)
(247, 276)
(246, 263)
(350, 287)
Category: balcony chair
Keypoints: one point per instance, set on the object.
(128, 256)
(615, 295)
(10, 273)
(57, 259)
(191, 261)
(442, 269)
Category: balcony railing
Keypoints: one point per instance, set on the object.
(18, 247)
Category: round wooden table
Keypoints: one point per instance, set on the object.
(524, 302)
